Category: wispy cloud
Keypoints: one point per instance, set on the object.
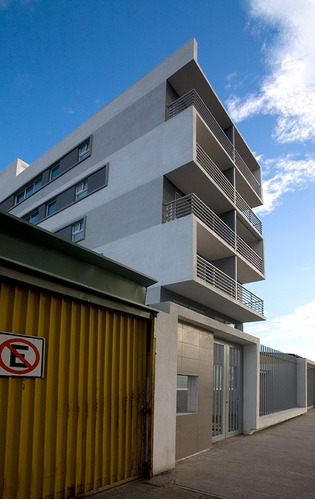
(68, 110)
(6, 4)
(288, 173)
(288, 90)
(298, 324)
(229, 79)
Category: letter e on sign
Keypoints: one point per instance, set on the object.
(21, 355)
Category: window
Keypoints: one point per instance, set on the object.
(77, 231)
(187, 394)
(29, 189)
(51, 208)
(54, 172)
(33, 218)
(84, 151)
(37, 184)
(20, 197)
(81, 190)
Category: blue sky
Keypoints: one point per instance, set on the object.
(62, 60)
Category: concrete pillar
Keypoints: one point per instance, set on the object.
(164, 434)
(251, 388)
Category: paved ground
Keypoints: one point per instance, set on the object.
(278, 462)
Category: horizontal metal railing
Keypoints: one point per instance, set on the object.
(219, 178)
(192, 98)
(191, 204)
(215, 173)
(247, 212)
(217, 278)
(278, 381)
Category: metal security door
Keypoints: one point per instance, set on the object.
(84, 425)
(226, 413)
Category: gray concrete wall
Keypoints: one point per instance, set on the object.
(164, 251)
(124, 216)
(130, 124)
(137, 164)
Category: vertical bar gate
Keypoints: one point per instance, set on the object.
(278, 381)
(227, 391)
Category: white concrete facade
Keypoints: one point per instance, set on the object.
(173, 187)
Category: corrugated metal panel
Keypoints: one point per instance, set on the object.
(80, 427)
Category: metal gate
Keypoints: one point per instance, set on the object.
(226, 412)
(82, 426)
(310, 387)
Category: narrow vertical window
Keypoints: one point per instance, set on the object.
(33, 218)
(51, 208)
(81, 190)
(77, 231)
(54, 172)
(187, 394)
(84, 151)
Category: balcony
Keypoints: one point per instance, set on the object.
(192, 98)
(208, 285)
(217, 278)
(191, 204)
(223, 183)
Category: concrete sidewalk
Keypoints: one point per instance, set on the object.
(278, 462)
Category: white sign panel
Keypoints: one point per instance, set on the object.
(21, 355)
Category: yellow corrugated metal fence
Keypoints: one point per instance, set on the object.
(80, 427)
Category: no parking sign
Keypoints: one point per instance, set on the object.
(21, 355)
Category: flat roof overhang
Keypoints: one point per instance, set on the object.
(191, 76)
(43, 259)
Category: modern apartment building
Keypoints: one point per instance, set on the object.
(162, 181)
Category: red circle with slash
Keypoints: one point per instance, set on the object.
(29, 367)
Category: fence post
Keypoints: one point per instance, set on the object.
(301, 382)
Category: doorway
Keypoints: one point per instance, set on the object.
(227, 384)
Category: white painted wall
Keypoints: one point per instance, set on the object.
(251, 386)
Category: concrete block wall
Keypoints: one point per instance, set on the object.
(195, 358)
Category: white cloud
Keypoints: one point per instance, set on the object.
(289, 173)
(296, 328)
(229, 79)
(68, 110)
(288, 91)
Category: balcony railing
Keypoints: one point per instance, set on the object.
(191, 204)
(217, 278)
(192, 98)
(219, 178)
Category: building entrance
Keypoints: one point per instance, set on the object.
(227, 383)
